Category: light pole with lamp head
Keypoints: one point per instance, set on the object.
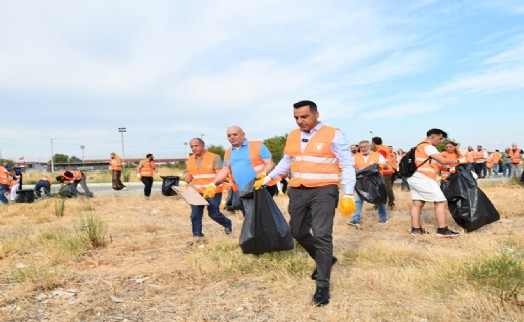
(83, 147)
(122, 130)
(52, 156)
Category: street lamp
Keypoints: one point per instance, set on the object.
(83, 147)
(122, 130)
(185, 146)
(52, 156)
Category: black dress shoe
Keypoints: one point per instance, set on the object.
(315, 273)
(321, 296)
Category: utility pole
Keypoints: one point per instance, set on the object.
(122, 130)
(185, 146)
(52, 156)
(83, 147)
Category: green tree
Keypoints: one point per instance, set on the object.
(217, 149)
(9, 162)
(60, 158)
(75, 159)
(276, 146)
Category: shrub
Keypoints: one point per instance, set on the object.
(59, 207)
(501, 274)
(91, 228)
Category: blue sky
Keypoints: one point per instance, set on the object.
(168, 71)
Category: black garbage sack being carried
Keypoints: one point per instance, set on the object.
(25, 196)
(167, 183)
(264, 229)
(370, 185)
(469, 206)
(233, 201)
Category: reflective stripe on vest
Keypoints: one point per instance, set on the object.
(384, 148)
(361, 162)
(514, 156)
(256, 162)
(317, 166)
(431, 168)
(203, 175)
(147, 168)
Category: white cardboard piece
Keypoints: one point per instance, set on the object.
(190, 196)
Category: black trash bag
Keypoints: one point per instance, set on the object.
(233, 202)
(370, 185)
(167, 183)
(68, 191)
(468, 205)
(264, 229)
(25, 196)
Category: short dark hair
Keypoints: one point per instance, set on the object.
(376, 140)
(149, 155)
(437, 132)
(199, 141)
(311, 104)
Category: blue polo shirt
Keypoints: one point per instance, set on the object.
(240, 163)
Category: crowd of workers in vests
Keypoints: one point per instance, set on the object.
(317, 161)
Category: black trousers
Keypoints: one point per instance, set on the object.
(312, 211)
(117, 183)
(148, 184)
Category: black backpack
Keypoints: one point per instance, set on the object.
(407, 165)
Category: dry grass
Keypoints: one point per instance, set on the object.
(151, 269)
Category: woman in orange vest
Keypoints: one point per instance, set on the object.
(115, 166)
(451, 152)
(202, 167)
(145, 171)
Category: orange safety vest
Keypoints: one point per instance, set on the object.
(384, 148)
(147, 168)
(489, 162)
(256, 162)
(204, 175)
(317, 166)
(470, 156)
(4, 176)
(514, 155)
(444, 173)
(77, 175)
(361, 163)
(430, 168)
(479, 156)
(115, 164)
(496, 156)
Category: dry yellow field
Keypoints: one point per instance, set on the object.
(151, 268)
